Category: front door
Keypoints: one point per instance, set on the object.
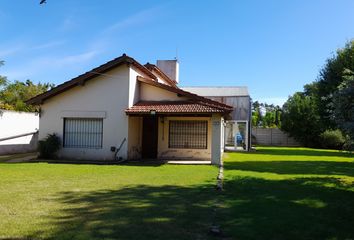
(149, 143)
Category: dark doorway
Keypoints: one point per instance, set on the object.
(149, 143)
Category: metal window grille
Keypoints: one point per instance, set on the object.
(188, 134)
(83, 133)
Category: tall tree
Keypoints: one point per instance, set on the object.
(301, 120)
(330, 77)
(343, 104)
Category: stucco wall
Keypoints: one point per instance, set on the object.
(135, 137)
(216, 142)
(106, 93)
(14, 123)
(151, 93)
(164, 152)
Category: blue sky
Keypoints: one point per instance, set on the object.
(273, 47)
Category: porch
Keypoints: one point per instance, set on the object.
(179, 136)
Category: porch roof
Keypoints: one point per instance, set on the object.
(160, 107)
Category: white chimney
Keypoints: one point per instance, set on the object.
(170, 68)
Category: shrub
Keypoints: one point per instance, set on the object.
(49, 146)
(348, 145)
(332, 139)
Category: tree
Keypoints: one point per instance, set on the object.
(330, 77)
(301, 120)
(343, 104)
(265, 115)
(257, 117)
(3, 79)
(13, 95)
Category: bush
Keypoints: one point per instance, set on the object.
(49, 146)
(332, 139)
(348, 145)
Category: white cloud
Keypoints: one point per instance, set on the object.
(10, 51)
(68, 24)
(107, 38)
(47, 64)
(133, 20)
(52, 44)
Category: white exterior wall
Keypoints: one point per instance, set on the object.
(151, 93)
(106, 93)
(14, 123)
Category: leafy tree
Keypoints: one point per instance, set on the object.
(330, 77)
(257, 117)
(265, 115)
(3, 79)
(326, 104)
(343, 104)
(301, 120)
(13, 95)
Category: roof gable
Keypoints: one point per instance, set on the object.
(81, 79)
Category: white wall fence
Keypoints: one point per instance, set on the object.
(18, 132)
(272, 137)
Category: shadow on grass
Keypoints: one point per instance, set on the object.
(306, 208)
(294, 167)
(137, 212)
(299, 151)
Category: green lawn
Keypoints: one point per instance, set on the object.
(274, 193)
(63, 201)
(289, 193)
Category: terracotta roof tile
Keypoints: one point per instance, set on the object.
(144, 107)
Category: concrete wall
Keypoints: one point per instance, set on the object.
(14, 123)
(273, 137)
(107, 96)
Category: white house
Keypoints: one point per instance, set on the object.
(138, 107)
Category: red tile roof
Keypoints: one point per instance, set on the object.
(154, 68)
(144, 107)
(192, 96)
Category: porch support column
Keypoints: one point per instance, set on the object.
(216, 125)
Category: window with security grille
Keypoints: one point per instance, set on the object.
(83, 133)
(188, 134)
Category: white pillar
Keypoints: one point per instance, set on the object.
(216, 125)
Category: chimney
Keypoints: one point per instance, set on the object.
(170, 68)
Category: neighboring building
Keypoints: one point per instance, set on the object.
(241, 117)
(140, 108)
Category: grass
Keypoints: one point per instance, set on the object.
(274, 193)
(63, 201)
(289, 193)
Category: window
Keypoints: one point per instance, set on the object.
(83, 133)
(188, 134)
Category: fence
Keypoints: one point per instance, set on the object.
(18, 132)
(272, 137)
